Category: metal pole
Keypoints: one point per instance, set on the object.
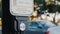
(21, 19)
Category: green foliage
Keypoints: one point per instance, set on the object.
(0, 9)
(58, 0)
(39, 1)
(52, 8)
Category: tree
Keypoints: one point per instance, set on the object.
(0, 9)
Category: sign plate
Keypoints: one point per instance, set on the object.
(21, 7)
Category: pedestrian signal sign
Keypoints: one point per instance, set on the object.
(21, 7)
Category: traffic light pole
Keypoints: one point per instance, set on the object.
(7, 19)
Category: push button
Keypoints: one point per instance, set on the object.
(22, 26)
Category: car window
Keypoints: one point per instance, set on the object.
(49, 24)
(39, 24)
(32, 23)
(46, 24)
(42, 23)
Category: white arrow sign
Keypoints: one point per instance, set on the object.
(21, 7)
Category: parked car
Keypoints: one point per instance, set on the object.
(38, 27)
(53, 30)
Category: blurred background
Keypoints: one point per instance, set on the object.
(46, 10)
(0, 16)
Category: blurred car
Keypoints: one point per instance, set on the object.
(38, 27)
(54, 30)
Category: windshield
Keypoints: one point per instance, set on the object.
(47, 23)
(32, 23)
